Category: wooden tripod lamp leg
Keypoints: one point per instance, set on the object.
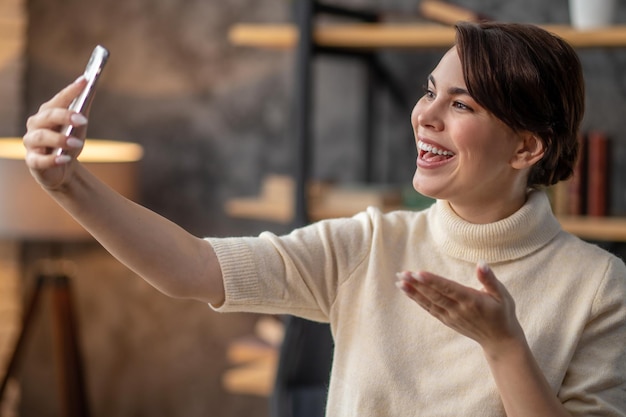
(68, 357)
(27, 321)
(69, 360)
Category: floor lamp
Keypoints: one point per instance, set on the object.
(28, 214)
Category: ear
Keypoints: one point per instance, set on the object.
(529, 151)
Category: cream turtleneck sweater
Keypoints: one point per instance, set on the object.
(393, 359)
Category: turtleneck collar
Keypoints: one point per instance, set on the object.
(520, 234)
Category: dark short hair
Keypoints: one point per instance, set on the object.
(532, 80)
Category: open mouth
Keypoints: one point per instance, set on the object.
(431, 153)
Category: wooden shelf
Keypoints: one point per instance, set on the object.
(609, 229)
(399, 36)
(254, 359)
(276, 202)
(254, 368)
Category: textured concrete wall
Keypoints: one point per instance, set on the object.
(214, 119)
(12, 50)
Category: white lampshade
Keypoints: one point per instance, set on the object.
(29, 213)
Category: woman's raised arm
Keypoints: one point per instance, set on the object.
(164, 254)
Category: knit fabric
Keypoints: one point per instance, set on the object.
(394, 359)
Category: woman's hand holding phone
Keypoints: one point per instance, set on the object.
(55, 134)
(43, 137)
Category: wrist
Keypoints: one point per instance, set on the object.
(506, 348)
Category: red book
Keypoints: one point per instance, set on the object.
(577, 184)
(597, 173)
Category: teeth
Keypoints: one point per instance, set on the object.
(433, 149)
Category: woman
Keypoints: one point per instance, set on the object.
(480, 305)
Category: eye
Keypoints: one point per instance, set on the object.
(428, 93)
(461, 106)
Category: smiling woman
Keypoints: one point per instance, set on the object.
(483, 174)
(482, 293)
(508, 126)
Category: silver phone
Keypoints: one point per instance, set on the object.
(94, 67)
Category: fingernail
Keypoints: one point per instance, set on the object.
(78, 119)
(79, 79)
(417, 276)
(62, 159)
(73, 142)
(400, 284)
(483, 266)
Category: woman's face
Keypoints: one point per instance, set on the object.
(465, 153)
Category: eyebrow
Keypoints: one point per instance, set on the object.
(451, 90)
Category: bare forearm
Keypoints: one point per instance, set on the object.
(523, 388)
(172, 260)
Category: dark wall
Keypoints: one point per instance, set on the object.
(214, 119)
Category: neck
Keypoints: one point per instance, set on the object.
(488, 212)
(512, 237)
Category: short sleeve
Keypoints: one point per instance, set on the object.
(595, 383)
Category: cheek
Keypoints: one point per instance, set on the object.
(474, 135)
(484, 148)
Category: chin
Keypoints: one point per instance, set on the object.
(420, 186)
(434, 196)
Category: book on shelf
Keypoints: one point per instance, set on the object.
(586, 192)
(577, 184)
(597, 173)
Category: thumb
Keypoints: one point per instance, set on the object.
(486, 277)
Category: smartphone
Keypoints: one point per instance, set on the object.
(94, 67)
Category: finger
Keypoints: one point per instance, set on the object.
(418, 287)
(38, 161)
(41, 140)
(485, 275)
(408, 285)
(55, 117)
(64, 97)
(438, 287)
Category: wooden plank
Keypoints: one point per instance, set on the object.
(276, 200)
(254, 368)
(401, 36)
(447, 13)
(609, 229)
(284, 36)
(255, 378)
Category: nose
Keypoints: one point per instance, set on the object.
(427, 113)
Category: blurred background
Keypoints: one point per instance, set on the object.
(214, 120)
